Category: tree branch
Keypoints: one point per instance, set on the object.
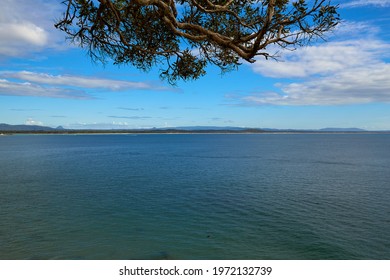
(141, 32)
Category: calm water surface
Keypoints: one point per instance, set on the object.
(268, 196)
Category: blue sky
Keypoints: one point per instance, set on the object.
(341, 82)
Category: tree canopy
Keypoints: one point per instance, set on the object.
(183, 37)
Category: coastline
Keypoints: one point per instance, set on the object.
(170, 132)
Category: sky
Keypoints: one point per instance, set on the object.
(343, 81)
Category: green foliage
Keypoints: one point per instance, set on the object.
(183, 37)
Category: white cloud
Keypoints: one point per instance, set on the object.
(25, 83)
(322, 59)
(29, 89)
(361, 3)
(21, 38)
(361, 79)
(27, 27)
(79, 81)
(130, 117)
(356, 86)
(31, 121)
(352, 71)
(108, 125)
(23, 33)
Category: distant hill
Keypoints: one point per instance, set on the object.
(195, 129)
(23, 127)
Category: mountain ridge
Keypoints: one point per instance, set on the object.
(24, 127)
(37, 128)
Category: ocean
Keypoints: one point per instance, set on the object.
(195, 196)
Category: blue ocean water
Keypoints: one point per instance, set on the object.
(190, 196)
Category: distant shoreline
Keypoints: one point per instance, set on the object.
(7, 129)
(171, 131)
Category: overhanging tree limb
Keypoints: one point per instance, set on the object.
(185, 36)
